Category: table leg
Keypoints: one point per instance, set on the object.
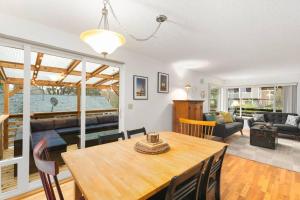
(77, 192)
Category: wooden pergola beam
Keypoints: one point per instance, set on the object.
(16, 90)
(94, 73)
(115, 89)
(18, 81)
(13, 65)
(70, 68)
(114, 77)
(37, 65)
(2, 74)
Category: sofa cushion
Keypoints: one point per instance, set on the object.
(275, 118)
(233, 127)
(288, 128)
(107, 119)
(227, 117)
(65, 122)
(292, 120)
(210, 117)
(258, 117)
(54, 141)
(69, 130)
(89, 121)
(285, 116)
(101, 127)
(41, 124)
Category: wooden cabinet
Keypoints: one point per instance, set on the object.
(189, 109)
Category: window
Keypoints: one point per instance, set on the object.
(214, 97)
(249, 100)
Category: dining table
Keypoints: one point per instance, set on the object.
(117, 171)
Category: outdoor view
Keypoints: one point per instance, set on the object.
(55, 106)
(254, 100)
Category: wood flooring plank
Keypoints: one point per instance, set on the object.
(241, 180)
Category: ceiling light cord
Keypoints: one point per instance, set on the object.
(160, 19)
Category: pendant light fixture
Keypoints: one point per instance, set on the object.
(104, 41)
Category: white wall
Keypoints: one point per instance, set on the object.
(156, 113)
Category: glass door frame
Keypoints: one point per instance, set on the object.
(23, 183)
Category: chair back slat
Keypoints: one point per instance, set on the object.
(186, 184)
(212, 175)
(136, 131)
(197, 128)
(47, 169)
(103, 139)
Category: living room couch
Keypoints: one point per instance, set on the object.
(61, 132)
(278, 120)
(224, 130)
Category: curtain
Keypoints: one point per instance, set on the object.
(290, 99)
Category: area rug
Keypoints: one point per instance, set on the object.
(286, 155)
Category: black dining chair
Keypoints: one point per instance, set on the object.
(211, 179)
(47, 168)
(103, 139)
(136, 131)
(186, 186)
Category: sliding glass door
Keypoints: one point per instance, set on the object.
(68, 99)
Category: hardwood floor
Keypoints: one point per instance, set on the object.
(241, 179)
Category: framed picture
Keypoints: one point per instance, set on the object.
(140, 87)
(162, 83)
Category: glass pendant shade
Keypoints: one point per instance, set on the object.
(103, 41)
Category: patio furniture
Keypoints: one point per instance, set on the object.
(264, 137)
(61, 132)
(92, 139)
(136, 131)
(107, 138)
(116, 160)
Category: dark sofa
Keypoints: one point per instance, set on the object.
(60, 132)
(226, 129)
(278, 120)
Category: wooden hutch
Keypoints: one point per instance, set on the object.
(189, 109)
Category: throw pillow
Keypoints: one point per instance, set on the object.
(259, 117)
(210, 117)
(220, 119)
(227, 117)
(292, 120)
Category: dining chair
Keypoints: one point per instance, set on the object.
(47, 169)
(211, 179)
(136, 131)
(201, 129)
(103, 139)
(186, 185)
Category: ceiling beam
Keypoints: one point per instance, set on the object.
(70, 68)
(37, 65)
(13, 65)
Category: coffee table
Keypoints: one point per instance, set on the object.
(262, 136)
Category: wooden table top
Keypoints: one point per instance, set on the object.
(117, 171)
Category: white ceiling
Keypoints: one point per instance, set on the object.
(228, 39)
